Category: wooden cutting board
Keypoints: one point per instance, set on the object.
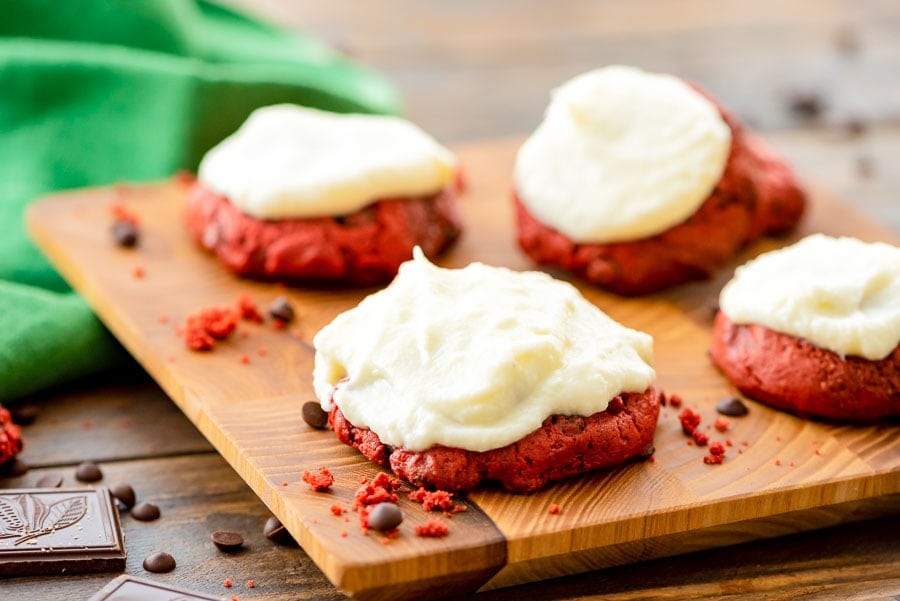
(782, 474)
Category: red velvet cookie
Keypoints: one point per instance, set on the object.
(363, 248)
(563, 446)
(792, 374)
(757, 195)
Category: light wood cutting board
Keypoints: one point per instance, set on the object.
(782, 474)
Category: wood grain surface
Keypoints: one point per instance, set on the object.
(787, 471)
(470, 70)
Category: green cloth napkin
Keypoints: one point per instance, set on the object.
(98, 91)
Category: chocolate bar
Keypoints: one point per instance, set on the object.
(129, 588)
(59, 531)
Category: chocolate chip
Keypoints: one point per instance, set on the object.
(159, 563)
(277, 533)
(314, 415)
(124, 494)
(145, 512)
(806, 105)
(49, 481)
(385, 516)
(88, 472)
(124, 233)
(647, 452)
(13, 468)
(281, 309)
(732, 407)
(24, 415)
(226, 541)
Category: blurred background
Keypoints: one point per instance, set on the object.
(819, 78)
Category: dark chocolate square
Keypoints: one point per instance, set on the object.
(130, 588)
(59, 531)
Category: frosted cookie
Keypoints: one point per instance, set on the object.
(814, 329)
(455, 376)
(303, 194)
(637, 182)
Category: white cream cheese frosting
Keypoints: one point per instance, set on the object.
(288, 161)
(622, 154)
(474, 358)
(840, 294)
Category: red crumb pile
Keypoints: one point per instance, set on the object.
(203, 328)
(433, 528)
(320, 480)
(441, 500)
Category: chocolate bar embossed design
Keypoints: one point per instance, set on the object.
(26, 516)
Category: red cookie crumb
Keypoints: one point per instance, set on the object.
(553, 509)
(434, 528)
(227, 583)
(207, 325)
(319, 481)
(439, 499)
(716, 448)
(137, 272)
(700, 438)
(338, 509)
(722, 424)
(184, 177)
(713, 459)
(247, 309)
(10, 437)
(250, 584)
(689, 420)
(344, 533)
(245, 359)
(122, 213)
(675, 400)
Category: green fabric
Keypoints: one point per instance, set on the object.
(98, 91)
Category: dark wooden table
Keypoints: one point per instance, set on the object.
(474, 70)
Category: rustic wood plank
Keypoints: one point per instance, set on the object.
(201, 493)
(128, 417)
(495, 64)
(251, 412)
(196, 494)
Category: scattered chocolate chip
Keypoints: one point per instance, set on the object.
(314, 415)
(124, 494)
(24, 415)
(226, 541)
(13, 468)
(281, 309)
(49, 481)
(88, 472)
(145, 512)
(159, 563)
(865, 167)
(647, 453)
(124, 233)
(277, 533)
(385, 516)
(732, 407)
(806, 105)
